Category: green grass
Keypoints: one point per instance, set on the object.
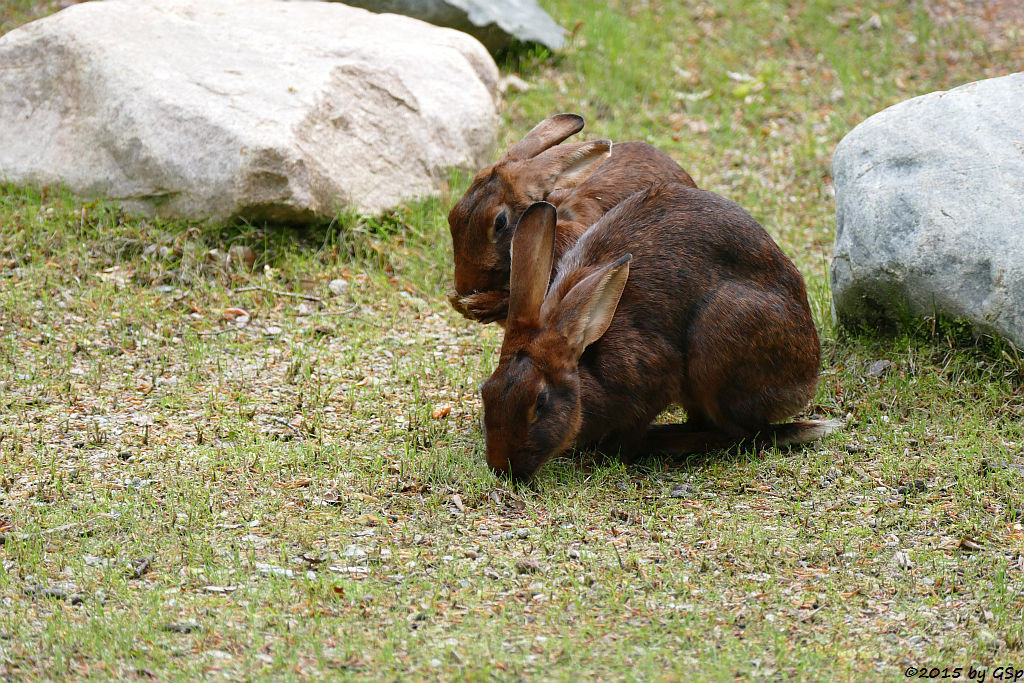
(342, 432)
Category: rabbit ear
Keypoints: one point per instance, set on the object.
(544, 135)
(585, 313)
(532, 253)
(564, 166)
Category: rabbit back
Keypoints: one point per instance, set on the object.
(714, 317)
(631, 166)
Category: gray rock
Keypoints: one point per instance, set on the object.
(354, 552)
(930, 211)
(259, 109)
(338, 286)
(495, 23)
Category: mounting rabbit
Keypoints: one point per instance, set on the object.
(675, 296)
(584, 179)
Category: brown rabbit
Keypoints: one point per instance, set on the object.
(675, 296)
(584, 179)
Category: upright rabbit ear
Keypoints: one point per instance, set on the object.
(563, 167)
(544, 135)
(532, 253)
(586, 311)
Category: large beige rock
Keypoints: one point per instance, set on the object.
(258, 109)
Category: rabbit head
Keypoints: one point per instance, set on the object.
(482, 221)
(532, 407)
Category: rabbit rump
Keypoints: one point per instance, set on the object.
(676, 296)
(584, 179)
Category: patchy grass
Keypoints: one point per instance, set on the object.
(14, 13)
(212, 469)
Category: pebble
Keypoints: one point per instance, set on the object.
(187, 626)
(526, 566)
(272, 570)
(914, 486)
(879, 367)
(354, 551)
(338, 286)
(681, 491)
(903, 560)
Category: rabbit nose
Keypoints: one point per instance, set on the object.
(498, 459)
(464, 283)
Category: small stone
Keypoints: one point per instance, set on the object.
(187, 626)
(913, 487)
(256, 540)
(239, 315)
(873, 23)
(879, 367)
(272, 570)
(67, 592)
(512, 82)
(989, 466)
(969, 544)
(241, 255)
(338, 286)
(354, 552)
(527, 566)
(681, 491)
(142, 419)
(988, 639)
(903, 560)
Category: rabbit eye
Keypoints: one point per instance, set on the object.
(500, 222)
(542, 399)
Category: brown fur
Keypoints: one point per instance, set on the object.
(570, 176)
(709, 314)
